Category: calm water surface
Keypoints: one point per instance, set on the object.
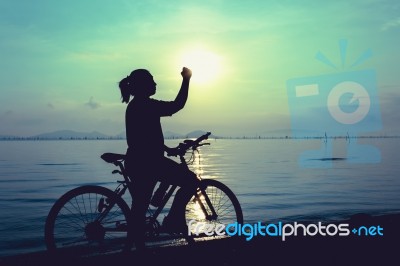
(264, 174)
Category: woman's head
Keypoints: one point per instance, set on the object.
(139, 83)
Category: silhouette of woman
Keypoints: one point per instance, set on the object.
(145, 162)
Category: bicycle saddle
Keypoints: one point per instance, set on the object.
(112, 157)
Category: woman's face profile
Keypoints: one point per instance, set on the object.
(150, 85)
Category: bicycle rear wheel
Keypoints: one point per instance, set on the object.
(86, 220)
(213, 206)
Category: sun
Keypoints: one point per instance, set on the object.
(205, 65)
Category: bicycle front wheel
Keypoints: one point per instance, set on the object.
(214, 205)
(88, 219)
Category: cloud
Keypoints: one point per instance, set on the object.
(391, 24)
(92, 104)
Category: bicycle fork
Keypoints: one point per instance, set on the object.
(198, 198)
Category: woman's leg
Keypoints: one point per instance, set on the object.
(177, 174)
(142, 191)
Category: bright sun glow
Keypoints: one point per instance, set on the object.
(204, 64)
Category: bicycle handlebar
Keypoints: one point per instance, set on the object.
(190, 144)
(204, 137)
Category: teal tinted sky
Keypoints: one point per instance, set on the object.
(61, 60)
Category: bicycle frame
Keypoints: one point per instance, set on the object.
(126, 184)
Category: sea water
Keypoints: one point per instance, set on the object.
(264, 174)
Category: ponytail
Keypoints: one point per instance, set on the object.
(125, 87)
(139, 78)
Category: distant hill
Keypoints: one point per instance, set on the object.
(70, 134)
(8, 137)
(172, 135)
(121, 135)
(167, 135)
(74, 135)
(198, 133)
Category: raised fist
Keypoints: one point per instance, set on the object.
(186, 73)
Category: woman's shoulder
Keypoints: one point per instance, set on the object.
(147, 103)
(152, 101)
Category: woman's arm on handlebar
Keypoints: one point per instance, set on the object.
(171, 151)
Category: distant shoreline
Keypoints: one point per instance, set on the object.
(216, 138)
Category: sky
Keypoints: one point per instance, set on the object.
(61, 61)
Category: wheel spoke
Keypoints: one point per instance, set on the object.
(74, 220)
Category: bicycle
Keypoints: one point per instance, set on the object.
(93, 218)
